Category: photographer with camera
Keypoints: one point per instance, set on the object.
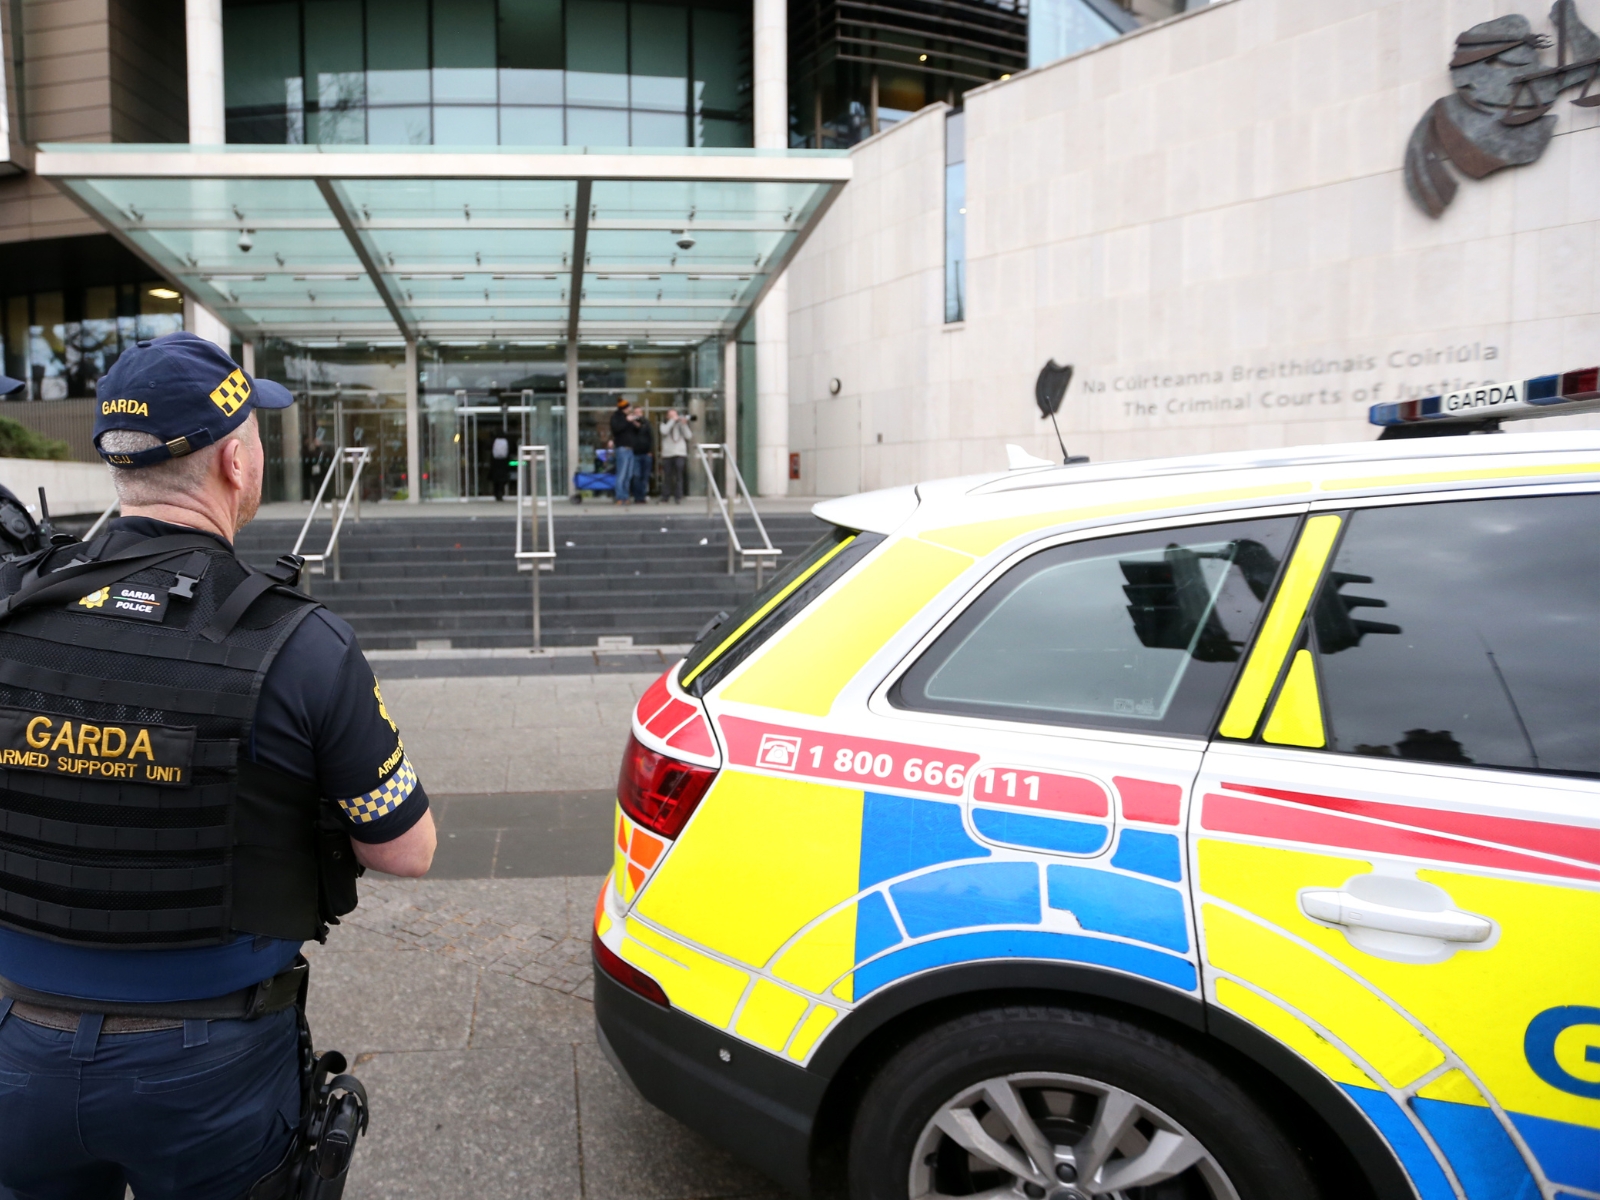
(675, 438)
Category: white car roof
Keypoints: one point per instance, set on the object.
(1154, 485)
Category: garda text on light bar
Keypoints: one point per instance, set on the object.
(1541, 395)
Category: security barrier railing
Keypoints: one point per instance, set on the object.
(100, 521)
(534, 560)
(716, 501)
(355, 457)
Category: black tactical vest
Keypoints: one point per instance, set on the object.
(128, 816)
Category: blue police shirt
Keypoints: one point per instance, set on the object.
(320, 718)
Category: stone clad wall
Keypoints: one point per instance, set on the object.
(866, 307)
(95, 71)
(68, 99)
(1208, 220)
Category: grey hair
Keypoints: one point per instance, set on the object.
(162, 480)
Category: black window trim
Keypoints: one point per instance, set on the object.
(852, 548)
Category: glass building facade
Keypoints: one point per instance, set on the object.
(535, 73)
(857, 66)
(955, 218)
(488, 72)
(59, 343)
(348, 396)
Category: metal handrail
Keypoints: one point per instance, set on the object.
(714, 497)
(100, 521)
(535, 560)
(317, 564)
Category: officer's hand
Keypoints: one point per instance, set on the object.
(409, 855)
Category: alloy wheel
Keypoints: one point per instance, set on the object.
(1046, 1136)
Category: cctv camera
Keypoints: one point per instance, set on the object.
(247, 239)
(686, 242)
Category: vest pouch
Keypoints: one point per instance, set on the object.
(274, 854)
(337, 869)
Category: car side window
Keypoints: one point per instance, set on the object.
(1141, 632)
(1465, 632)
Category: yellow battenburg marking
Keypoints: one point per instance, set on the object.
(761, 613)
(1362, 1020)
(1453, 1087)
(700, 985)
(983, 537)
(231, 393)
(1292, 1032)
(845, 989)
(384, 798)
(602, 925)
(822, 651)
(770, 1014)
(1278, 631)
(817, 1020)
(761, 859)
(1478, 1002)
(1528, 471)
(619, 858)
(825, 952)
(1296, 718)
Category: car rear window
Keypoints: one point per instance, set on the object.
(1141, 632)
(732, 638)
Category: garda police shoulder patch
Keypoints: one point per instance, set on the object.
(138, 601)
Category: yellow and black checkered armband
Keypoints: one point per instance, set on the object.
(384, 798)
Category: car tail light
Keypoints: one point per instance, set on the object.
(628, 975)
(660, 792)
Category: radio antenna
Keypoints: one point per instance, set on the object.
(46, 529)
(1048, 391)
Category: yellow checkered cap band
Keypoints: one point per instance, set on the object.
(384, 798)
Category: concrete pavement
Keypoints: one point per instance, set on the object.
(464, 998)
(465, 1006)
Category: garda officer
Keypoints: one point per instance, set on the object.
(189, 753)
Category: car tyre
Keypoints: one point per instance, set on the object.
(1050, 1103)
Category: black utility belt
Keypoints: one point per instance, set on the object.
(269, 996)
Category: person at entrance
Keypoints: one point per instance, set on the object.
(216, 758)
(622, 451)
(675, 435)
(500, 465)
(644, 458)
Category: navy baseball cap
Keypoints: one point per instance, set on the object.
(182, 389)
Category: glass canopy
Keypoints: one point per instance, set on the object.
(440, 243)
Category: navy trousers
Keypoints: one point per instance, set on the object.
(198, 1113)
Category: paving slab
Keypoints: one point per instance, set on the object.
(514, 733)
(465, 1006)
(389, 1000)
(523, 835)
(492, 1124)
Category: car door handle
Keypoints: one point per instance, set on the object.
(1342, 908)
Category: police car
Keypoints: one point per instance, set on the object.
(1207, 827)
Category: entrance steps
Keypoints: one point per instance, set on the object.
(656, 575)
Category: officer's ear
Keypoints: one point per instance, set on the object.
(236, 452)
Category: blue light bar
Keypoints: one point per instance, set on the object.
(1540, 396)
